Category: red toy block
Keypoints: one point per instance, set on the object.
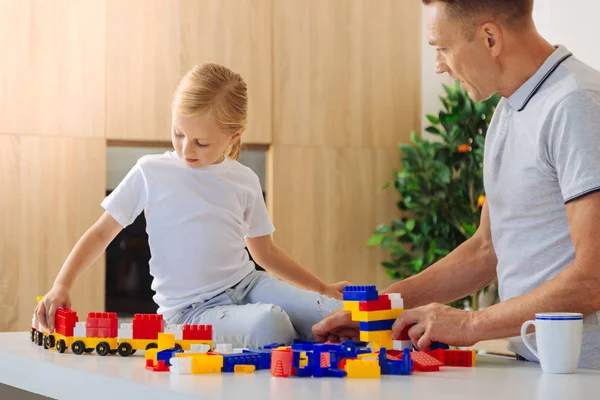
(159, 367)
(424, 362)
(394, 354)
(459, 358)
(102, 325)
(197, 332)
(65, 321)
(383, 303)
(438, 354)
(281, 362)
(147, 326)
(404, 334)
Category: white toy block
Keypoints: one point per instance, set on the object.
(34, 323)
(238, 350)
(176, 330)
(80, 329)
(198, 348)
(181, 365)
(402, 344)
(224, 348)
(125, 331)
(396, 300)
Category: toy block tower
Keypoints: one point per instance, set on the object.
(376, 313)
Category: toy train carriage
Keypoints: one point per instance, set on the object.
(38, 332)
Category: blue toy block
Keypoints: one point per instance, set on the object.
(231, 360)
(383, 325)
(166, 355)
(264, 358)
(360, 293)
(273, 346)
(394, 367)
(438, 345)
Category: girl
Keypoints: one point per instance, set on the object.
(202, 209)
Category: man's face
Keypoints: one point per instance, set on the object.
(465, 60)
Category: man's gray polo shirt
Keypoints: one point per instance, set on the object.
(543, 150)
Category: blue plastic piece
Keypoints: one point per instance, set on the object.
(438, 345)
(231, 360)
(395, 367)
(166, 355)
(273, 346)
(264, 358)
(383, 325)
(360, 293)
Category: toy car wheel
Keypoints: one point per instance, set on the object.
(89, 350)
(61, 346)
(151, 346)
(102, 349)
(33, 336)
(125, 350)
(40, 338)
(78, 347)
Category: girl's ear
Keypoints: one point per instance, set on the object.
(237, 136)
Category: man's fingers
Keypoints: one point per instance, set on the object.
(41, 314)
(332, 322)
(424, 342)
(415, 334)
(405, 319)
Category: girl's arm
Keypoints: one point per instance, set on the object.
(87, 250)
(268, 255)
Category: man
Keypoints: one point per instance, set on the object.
(541, 222)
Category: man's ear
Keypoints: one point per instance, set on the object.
(494, 39)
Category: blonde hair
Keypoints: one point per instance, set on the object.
(219, 91)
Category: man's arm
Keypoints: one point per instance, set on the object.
(467, 269)
(575, 289)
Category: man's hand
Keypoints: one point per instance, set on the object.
(336, 327)
(436, 323)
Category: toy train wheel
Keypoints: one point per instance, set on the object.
(89, 350)
(46, 340)
(102, 349)
(39, 339)
(78, 347)
(125, 350)
(151, 346)
(61, 346)
(49, 342)
(33, 335)
(133, 352)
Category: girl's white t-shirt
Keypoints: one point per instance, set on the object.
(197, 220)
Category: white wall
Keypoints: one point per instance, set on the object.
(573, 23)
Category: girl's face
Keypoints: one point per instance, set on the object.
(199, 141)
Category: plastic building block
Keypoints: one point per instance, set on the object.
(125, 331)
(402, 344)
(224, 348)
(166, 355)
(438, 345)
(360, 293)
(231, 360)
(197, 332)
(368, 316)
(273, 346)
(166, 341)
(396, 300)
(147, 326)
(383, 303)
(351, 305)
(244, 369)
(404, 333)
(159, 367)
(362, 369)
(80, 330)
(264, 361)
(176, 330)
(424, 362)
(65, 321)
(181, 365)
(460, 358)
(401, 364)
(239, 350)
(102, 325)
(281, 363)
(438, 354)
(383, 325)
(199, 348)
(381, 338)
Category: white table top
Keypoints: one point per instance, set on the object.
(67, 376)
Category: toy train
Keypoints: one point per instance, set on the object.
(100, 332)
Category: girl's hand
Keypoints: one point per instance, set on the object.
(335, 290)
(46, 309)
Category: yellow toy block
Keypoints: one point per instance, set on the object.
(351, 306)
(369, 316)
(474, 362)
(207, 364)
(303, 360)
(151, 354)
(381, 338)
(362, 369)
(166, 341)
(244, 369)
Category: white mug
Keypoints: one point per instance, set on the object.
(558, 338)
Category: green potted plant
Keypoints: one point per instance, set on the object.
(440, 186)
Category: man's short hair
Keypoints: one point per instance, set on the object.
(514, 13)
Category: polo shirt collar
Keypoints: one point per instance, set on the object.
(521, 97)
